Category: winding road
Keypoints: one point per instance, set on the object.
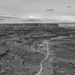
(41, 67)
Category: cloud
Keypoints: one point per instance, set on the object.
(69, 6)
(17, 19)
(31, 19)
(6, 17)
(49, 10)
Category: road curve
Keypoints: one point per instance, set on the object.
(41, 67)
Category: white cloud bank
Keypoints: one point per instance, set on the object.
(5, 18)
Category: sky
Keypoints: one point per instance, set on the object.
(39, 9)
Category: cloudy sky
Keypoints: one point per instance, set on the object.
(61, 9)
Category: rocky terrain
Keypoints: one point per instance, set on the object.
(37, 49)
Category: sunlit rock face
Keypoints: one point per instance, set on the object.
(64, 66)
(63, 59)
(33, 58)
(65, 54)
(64, 49)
